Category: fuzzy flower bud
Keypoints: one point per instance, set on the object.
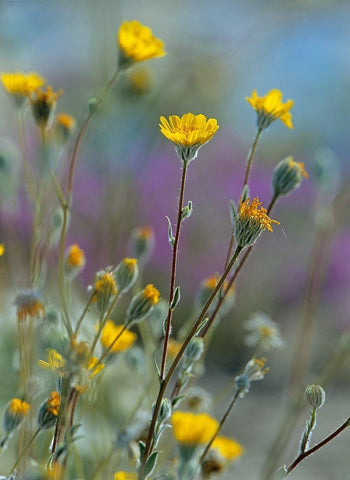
(254, 370)
(63, 128)
(194, 349)
(315, 395)
(16, 410)
(126, 274)
(74, 260)
(142, 304)
(105, 288)
(48, 411)
(287, 176)
(142, 242)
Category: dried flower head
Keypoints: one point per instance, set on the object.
(111, 331)
(137, 43)
(254, 370)
(270, 107)
(21, 85)
(287, 176)
(250, 221)
(192, 429)
(16, 410)
(189, 133)
(29, 304)
(43, 106)
(263, 332)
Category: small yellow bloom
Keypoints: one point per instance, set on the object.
(125, 476)
(151, 293)
(55, 362)
(270, 108)
(64, 127)
(106, 282)
(16, 410)
(228, 448)
(137, 43)
(189, 133)
(299, 165)
(111, 331)
(2, 249)
(75, 257)
(173, 347)
(18, 407)
(29, 305)
(254, 211)
(53, 403)
(192, 429)
(43, 105)
(21, 85)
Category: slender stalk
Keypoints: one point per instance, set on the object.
(25, 450)
(251, 156)
(173, 270)
(103, 321)
(221, 423)
(319, 445)
(165, 382)
(61, 278)
(82, 316)
(61, 420)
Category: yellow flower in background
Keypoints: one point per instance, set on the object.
(173, 347)
(43, 105)
(125, 476)
(189, 133)
(2, 249)
(29, 305)
(270, 108)
(55, 362)
(192, 429)
(75, 260)
(16, 410)
(151, 294)
(228, 448)
(21, 85)
(64, 127)
(53, 403)
(111, 331)
(137, 43)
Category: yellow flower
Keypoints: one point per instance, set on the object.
(53, 403)
(2, 249)
(15, 412)
(193, 429)
(137, 43)
(270, 108)
(139, 81)
(189, 133)
(43, 105)
(55, 362)
(125, 476)
(173, 347)
(29, 305)
(228, 448)
(111, 331)
(151, 294)
(251, 221)
(299, 165)
(105, 288)
(64, 127)
(75, 259)
(21, 85)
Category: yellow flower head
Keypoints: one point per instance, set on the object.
(111, 331)
(137, 43)
(75, 257)
(192, 429)
(151, 294)
(53, 403)
(64, 127)
(251, 221)
(125, 476)
(228, 448)
(139, 81)
(43, 105)
(173, 347)
(299, 165)
(105, 288)
(142, 242)
(270, 108)
(29, 305)
(189, 133)
(55, 362)
(21, 85)
(15, 412)
(2, 249)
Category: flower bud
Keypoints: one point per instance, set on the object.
(315, 395)
(29, 305)
(142, 242)
(105, 288)
(63, 128)
(194, 349)
(16, 410)
(74, 261)
(126, 274)
(142, 304)
(48, 411)
(287, 176)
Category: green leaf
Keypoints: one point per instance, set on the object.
(176, 298)
(151, 463)
(187, 210)
(171, 238)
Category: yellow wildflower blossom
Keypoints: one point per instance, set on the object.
(53, 403)
(137, 43)
(111, 331)
(125, 476)
(2, 249)
(228, 448)
(105, 288)
(189, 133)
(15, 412)
(254, 211)
(21, 85)
(75, 260)
(151, 294)
(192, 429)
(270, 108)
(55, 362)
(64, 127)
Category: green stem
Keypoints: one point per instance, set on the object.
(251, 156)
(25, 450)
